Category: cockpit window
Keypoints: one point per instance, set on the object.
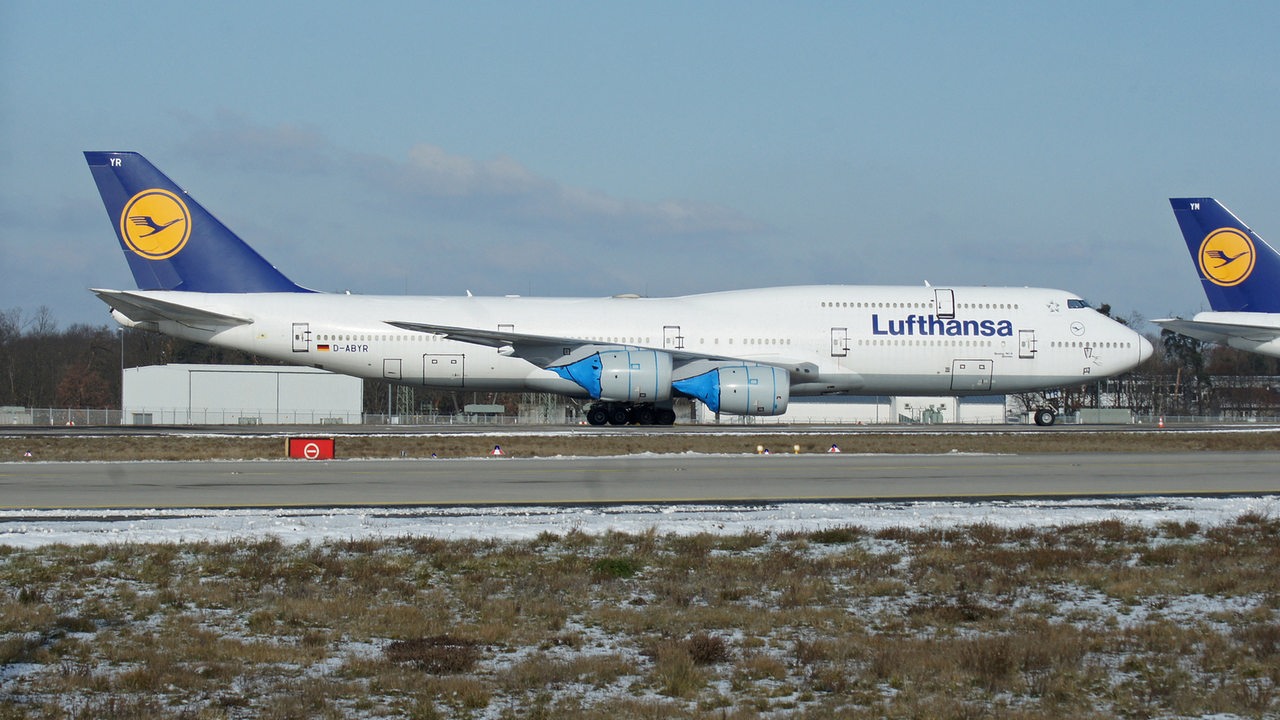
(1076, 303)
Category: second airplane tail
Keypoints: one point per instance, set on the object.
(1239, 270)
(170, 241)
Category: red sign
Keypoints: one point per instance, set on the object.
(311, 448)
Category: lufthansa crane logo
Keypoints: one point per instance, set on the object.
(155, 224)
(1226, 257)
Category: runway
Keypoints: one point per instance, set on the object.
(683, 478)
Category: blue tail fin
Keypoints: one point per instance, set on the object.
(1239, 270)
(170, 241)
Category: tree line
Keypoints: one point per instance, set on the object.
(80, 367)
(42, 366)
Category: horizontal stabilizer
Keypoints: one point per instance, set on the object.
(141, 308)
(1210, 331)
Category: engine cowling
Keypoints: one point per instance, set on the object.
(638, 376)
(738, 388)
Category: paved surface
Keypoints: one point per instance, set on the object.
(663, 478)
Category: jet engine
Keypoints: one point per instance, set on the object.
(738, 388)
(634, 376)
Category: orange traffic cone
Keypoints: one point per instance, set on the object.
(1161, 423)
(497, 450)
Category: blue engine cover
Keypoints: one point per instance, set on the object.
(740, 389)
(622, 375)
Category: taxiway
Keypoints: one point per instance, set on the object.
(683, 478)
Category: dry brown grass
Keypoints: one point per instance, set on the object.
(176, 447)
(437, 655)
(1089, 620)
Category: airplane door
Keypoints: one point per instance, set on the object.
(391, 368)
(443, 370)
(839, 342)
(1026, 343)
(945, 302)
(301, 337)
(671, 337)
(971, 375)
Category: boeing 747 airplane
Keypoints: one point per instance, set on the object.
(742, 352)
(1240, 273)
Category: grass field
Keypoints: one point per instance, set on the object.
(1097, 620)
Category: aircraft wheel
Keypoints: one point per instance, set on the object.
(665, 416)
(597, 415)
(644, 415)
(618, 415)
(1045, 417)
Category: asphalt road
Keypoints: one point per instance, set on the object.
(629, 479)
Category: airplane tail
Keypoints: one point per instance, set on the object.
(170, 241)
(1239, 270)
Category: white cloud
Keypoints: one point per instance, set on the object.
(497, 189)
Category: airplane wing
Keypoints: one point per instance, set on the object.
(140, 308)
(1219, 331)
(547, 351)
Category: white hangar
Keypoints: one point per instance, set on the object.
(239, 395)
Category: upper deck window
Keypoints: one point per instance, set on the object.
(1076, 303)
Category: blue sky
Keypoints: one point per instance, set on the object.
(661, 148)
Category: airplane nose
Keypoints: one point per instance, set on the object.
(1144, 349)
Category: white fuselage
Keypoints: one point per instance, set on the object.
(833, 339)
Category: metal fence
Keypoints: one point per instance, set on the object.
(46, 417)
(446, 419)
(49, 417)
(1205, 420)
(60, 416)
(223, 416)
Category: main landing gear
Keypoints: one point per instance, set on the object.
(616, 413)
(1045, 417)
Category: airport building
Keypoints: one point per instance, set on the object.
(239, 395)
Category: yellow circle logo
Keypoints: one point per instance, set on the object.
(1226, 257)
(155, 224)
